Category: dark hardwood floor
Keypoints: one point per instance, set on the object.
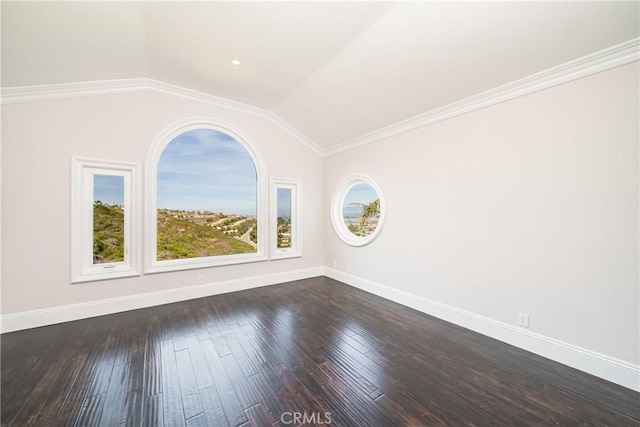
(313, 351)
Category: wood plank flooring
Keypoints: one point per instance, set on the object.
(310, 352)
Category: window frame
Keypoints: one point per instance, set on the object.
(295, 249)
(337, 202)
(82, 267)
(152, 264)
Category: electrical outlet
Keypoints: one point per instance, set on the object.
(335, 264)
(200, 279)
(348, 269)
(523, 319)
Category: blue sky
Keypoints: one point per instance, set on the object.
(360, 193)
(108, 189)
(208, 170)
(284, 202)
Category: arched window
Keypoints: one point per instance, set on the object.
(206, 199)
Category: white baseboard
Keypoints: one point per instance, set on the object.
(67, 313)
(600, 365)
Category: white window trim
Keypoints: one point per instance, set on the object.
(152, 265)
(295, 185)
(337, 201)
(82, 267)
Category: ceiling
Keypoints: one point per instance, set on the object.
(333, 70)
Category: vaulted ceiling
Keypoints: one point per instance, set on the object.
(333, 70)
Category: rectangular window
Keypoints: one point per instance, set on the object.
(108, 219)
(104, 220)
(285, 218)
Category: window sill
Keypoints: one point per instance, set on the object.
(195, 263)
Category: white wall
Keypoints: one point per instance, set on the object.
(38, 140)
(528, 206)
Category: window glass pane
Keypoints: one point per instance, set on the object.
(284, 217)
(108, 219)
(361, 210)
(207, 197)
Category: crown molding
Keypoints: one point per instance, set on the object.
(612, 57)
(35, 93)
(13, 95)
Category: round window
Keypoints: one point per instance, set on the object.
(357, 210)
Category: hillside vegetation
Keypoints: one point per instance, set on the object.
(180, 238)
(108, 233)
(284, 232)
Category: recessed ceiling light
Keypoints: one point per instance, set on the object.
(235, 61)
